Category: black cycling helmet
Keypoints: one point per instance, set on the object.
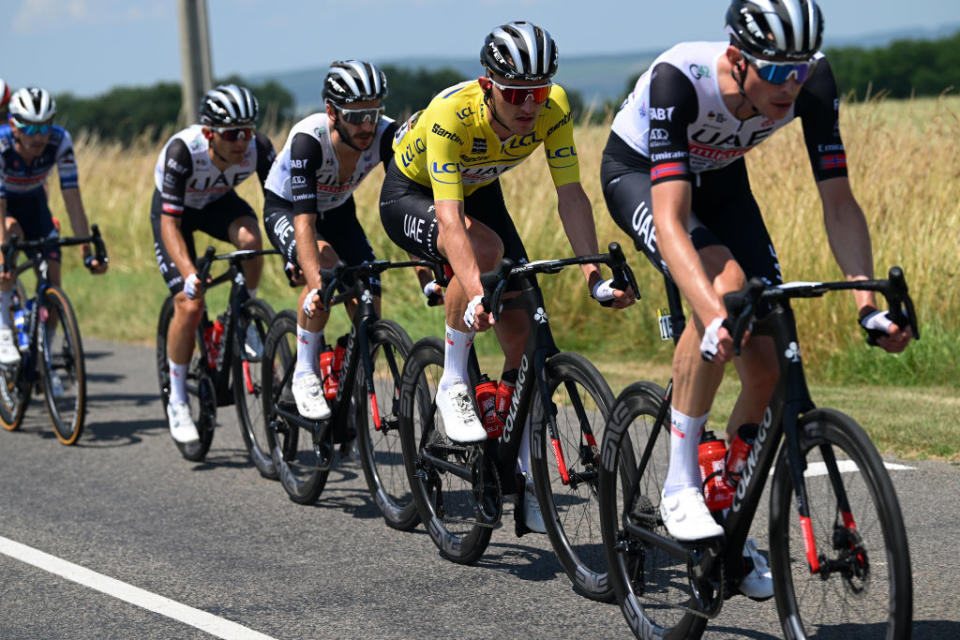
(350, 81)
(776, 30)
(520, 51)
(229, 105)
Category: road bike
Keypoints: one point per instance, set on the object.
(459, 488)
(843, 562)
(49, 339)
(365, 407)
(224, 368)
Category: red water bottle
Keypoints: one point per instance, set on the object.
(739, 450)
(211, 337)
(712, 453)
(505, 395)
(486, 391)
(326, 374)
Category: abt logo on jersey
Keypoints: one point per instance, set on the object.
(661, 113)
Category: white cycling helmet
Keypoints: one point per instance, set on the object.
(32, 105)
(229, 105)
(350, 81)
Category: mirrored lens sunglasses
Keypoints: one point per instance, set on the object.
(780, 72)
(519, 94)
(235, 133)
(33, 129)
(359, 116)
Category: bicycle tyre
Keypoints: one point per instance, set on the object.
(381, 453)
(14, 384)
(203, 400)
(879, 523)
(571, 512)
(297, 469)
(636, 570)
(61, 355)
(444, 510)
(248, 387)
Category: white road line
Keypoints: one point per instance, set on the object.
(134, 595)
(848, 466)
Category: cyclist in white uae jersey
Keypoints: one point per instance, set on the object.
(675, 180)
(309, 210)
(195, 176)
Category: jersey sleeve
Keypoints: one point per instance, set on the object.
(306, 156)
(673, 106)
(558, 140)
(266, 154)
(818, 108)
(445, 140)
(386, 144)
(67, 163)
(177, 169)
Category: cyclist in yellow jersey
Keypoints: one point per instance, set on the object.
(441, 200)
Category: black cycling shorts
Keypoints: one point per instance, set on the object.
(409, 217)
(214, 220)
(32, 213)
(724, 211)
(338, 226)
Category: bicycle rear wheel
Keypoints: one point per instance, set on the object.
(201, 393)
(445, 501)
(381, 453)
(302, 457)
(651, 586)
(864, 581)
(14, 386)
(581, 401)
(62, 366)
(248, 387)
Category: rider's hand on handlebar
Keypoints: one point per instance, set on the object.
(717, 343)
(312, 303)
(476, 317)
(885, 333)
(94, 265)
(192, 287)
(604, 292)
(434, 293)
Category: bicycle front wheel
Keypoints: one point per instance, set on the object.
(62, 366)
(445, 501)
(378, 433)
(247, 385)
(863, 577)
(14, 383)
(651, 586)
(566, 472)
(301, 457)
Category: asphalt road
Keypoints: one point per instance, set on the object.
(217, 537)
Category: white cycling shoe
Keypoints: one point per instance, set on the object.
(308, 394)
(9, 353)
(758, 584)
(460, 420)
(252, 344)
(182, 428)
(532, 516)
(686, 516)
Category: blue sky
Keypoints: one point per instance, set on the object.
(88, 46)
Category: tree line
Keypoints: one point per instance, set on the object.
(902, 69)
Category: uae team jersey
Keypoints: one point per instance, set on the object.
(451, 147)
(676, 118)
(187, 178)
(18, 178)
(306, 172)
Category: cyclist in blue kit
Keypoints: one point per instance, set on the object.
(675, 180)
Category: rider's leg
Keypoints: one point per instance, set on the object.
(181, 339)
(757, 368)
(244, 234)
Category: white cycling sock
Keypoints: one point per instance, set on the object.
(455, 357)
(308, 344)
(178, 382)
(5, 297)
(684, 468)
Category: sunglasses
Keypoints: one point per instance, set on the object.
(780, 72)
(33, 129)
(359, 116)
(235, 133)
(518, 95)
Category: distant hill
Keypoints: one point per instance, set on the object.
(598, 78)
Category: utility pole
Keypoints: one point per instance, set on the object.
(195, 62)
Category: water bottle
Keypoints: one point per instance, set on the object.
(326, 374)
(739, 450)
(711, 454)
(20, 322)
(505, 389)
(211, 337)
(486, 391)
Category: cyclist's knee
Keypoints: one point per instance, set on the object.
(188, 308)
(328, 255)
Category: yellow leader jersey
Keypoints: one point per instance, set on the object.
(451, 147)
